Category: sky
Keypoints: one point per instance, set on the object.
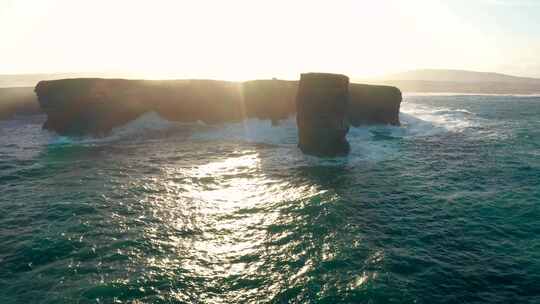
(246, 39)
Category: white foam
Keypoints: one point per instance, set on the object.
(444, 111)
(420, 119)
(251, 130)
(416, 119)
(147, 122)
(370, 143)
(150, 121)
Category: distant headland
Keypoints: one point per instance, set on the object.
(458, 81)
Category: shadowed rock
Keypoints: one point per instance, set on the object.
(372, 104)
(93, 106)
(270, 99)
(322, 103)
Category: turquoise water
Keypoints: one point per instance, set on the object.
(445, 209)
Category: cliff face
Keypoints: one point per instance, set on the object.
(373, 104)
(270, 99)
(95, 106)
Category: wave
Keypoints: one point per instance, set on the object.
(252, 130)
(147, 122)
(417, 120)
(446, 111)
(423, 120)
(150, 122)
(368, 142)
(456, 94)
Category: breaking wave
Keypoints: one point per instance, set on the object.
(368, 142)
(423, 120)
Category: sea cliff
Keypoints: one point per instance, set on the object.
(93, 106)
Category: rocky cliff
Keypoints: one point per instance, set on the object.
(94, 106)
(373, 104)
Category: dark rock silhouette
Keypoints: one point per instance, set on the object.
(93, 106)
(372, 104)
(321, 104)
(270, 99)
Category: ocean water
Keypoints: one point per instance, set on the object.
(444, 209)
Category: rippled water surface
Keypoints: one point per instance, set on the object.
(444, 209)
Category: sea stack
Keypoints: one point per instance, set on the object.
(321, 106)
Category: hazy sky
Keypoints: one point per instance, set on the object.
(236, 39)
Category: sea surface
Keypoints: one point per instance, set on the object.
(444, 209)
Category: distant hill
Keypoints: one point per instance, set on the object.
(458, 81)
(458, 76)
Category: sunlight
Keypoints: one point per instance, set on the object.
(238, 190)
(240, 40)
(249, 187)
(226, 188)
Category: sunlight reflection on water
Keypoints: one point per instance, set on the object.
(227, 205)
(208, 214)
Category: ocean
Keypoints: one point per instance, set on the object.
(443, 209)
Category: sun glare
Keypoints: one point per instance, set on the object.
(239, 40)
(234, 40)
